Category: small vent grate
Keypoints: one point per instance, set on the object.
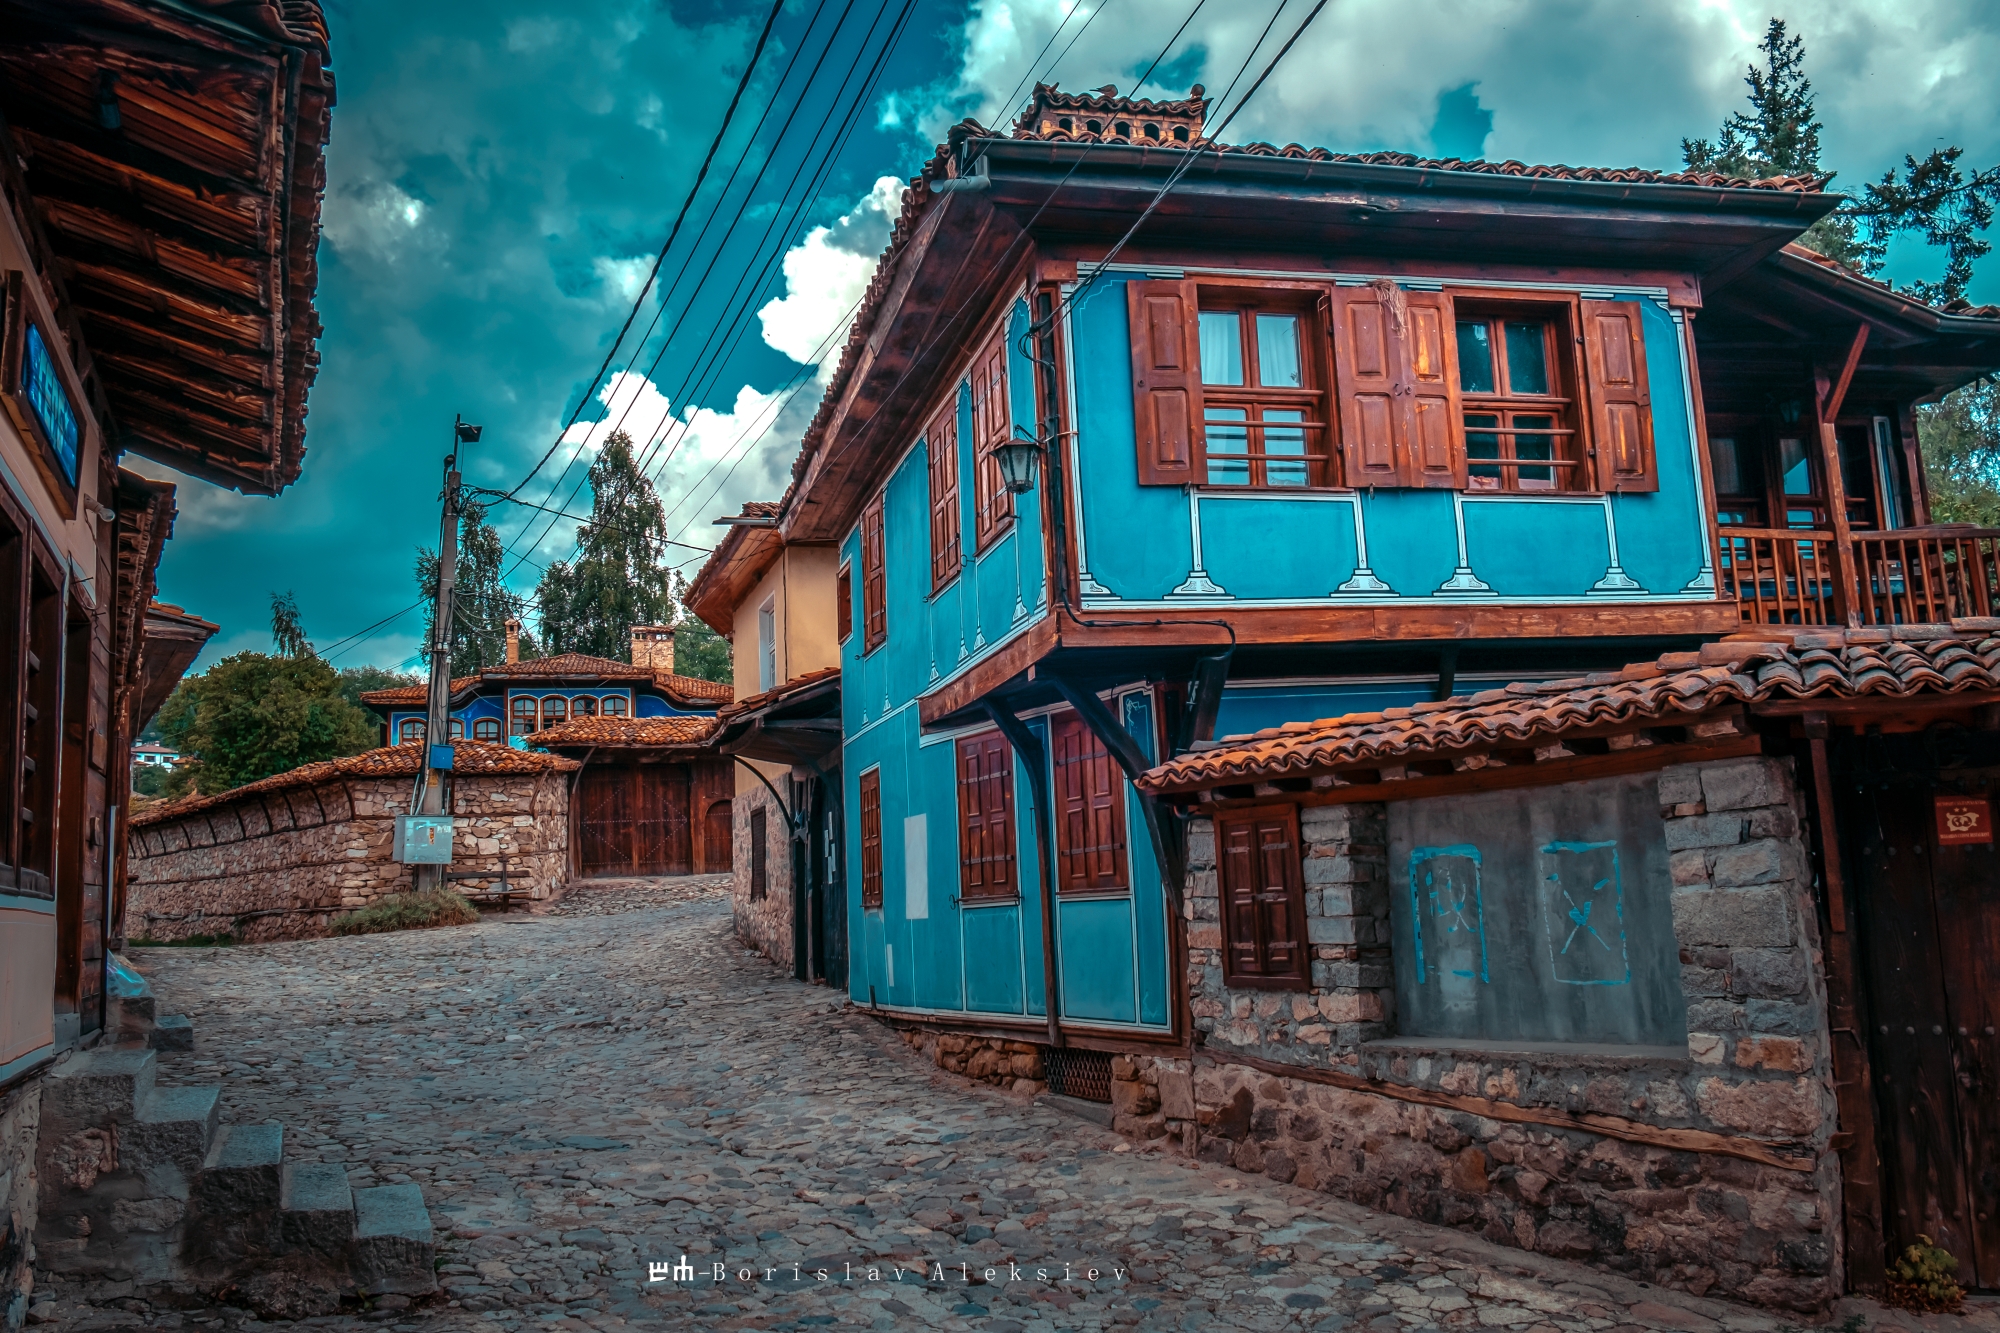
(1085, 1075)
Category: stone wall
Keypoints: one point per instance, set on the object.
(764, 922)
(1567, 1149)
(281, 864)
(20, 1122)
(1001, 1062)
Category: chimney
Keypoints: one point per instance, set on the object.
(653, 647)
(513, 641)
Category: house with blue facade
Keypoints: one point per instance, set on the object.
(1127, 452)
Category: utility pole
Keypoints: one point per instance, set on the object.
(437, 726)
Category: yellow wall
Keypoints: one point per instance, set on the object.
(800, 587)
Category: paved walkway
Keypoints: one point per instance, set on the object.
(583, 1097)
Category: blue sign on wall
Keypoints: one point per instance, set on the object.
(42, 387)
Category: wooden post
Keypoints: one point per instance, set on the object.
(1853, 1081)
(1826, 407)
(1029, 750)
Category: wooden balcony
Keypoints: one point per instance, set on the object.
(1910, 576)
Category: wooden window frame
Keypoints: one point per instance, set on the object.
(988, 866)
(874, 579)
(411, 729)
(992, 425)
(1296, 972)
(486, 729)
(869, 809)
(548, 719)
(521, 721)
(941, 449)
(1314, 400)
(843, 609)
(1570, 467)
(1078, 761)
(614, 705)
(760, 855)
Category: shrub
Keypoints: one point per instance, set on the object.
(407, 911)
(1921, 1279)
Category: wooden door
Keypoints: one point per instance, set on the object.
(718, 834)
(1929, 927)
(604, 826)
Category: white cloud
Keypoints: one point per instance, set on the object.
(826, 274)
(374, 218)
(622, 278)
(202, 508)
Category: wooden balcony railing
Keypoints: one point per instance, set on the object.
(1910, 576)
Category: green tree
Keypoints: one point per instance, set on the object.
(286, 635)
(698, 650)
(481, 604)
(619, 577)
(357, 681)
(1932, 198)
(254, 714)
(148, 779)
(1961, 448)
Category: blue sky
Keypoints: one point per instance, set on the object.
(503, 172)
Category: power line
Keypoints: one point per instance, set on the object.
(743, 83)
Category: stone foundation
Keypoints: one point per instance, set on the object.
(763, 921)
(20, 1122)
(281, 864)
(1014, 1065)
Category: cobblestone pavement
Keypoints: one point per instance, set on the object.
(581, 1096)
(609, 897)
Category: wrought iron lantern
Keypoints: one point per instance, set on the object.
(1018, 459)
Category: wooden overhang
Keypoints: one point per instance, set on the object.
(173, 639)
(1796, 310)
(797, 723)
(171, 153)
(746, 551)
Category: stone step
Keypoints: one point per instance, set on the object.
(317, 1208)
(393, 1250)
(171, 1126)
(173, 1032)
(244, 1166)
(97, 1088)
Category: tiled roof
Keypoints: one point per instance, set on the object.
(685, 689)
(795, 685)
(693, 687)
(1834, 664)
(413, 695)
(391, 761)
(567, 664)
(627, 731)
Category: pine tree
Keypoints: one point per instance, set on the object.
(1779, 137)
(619, 577)
(481, 604)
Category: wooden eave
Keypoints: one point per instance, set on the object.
(184, 241)
(741, 558)
(798, 728)
(945, 281)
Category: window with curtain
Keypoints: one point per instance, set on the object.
(1263, 407)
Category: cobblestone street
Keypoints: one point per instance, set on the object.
(614, 1082)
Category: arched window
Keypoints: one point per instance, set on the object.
(1123, 129)
(486, 729)
(456, 728)
(583, 706)
(1066, 123)
(1094, 126)
(523, 713)
(1152, 130)
(555, 710)
(614, 705)
(410, 729)
(1180, 134)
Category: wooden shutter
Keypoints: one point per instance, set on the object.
(1395, 356)
(1621, 406)
(1263, 898)
(843, 611)
(941, 442)
(1090, 810)
(874, 593)
(760, 882)
(992, 422)
(1166, 381)
(1435, 456)
(986, 817)
(871, 840)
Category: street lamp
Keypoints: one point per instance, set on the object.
(1018, 459)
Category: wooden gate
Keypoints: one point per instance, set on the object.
(1928, 926)
(634, 820)
(718, 835)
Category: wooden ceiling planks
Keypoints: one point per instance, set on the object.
(185, 238)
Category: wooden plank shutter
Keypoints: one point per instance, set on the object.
(941, 442)
(1435, 456)
(871, 840)
(874, 593)
(1363, 322)
(1621, 404)
(992, 423)
(1166, 381)
(986, 817)
(1263, 898)
(843, 611)
(1090, 810)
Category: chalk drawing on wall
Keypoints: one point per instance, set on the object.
(1583, 912)
(1447, 912)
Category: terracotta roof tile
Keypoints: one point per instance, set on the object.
(1905, 661)
(413, 694)
(777, 694)
(391, 761)
(689, 690)
(627, 731)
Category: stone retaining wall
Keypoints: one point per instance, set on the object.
(1756, 1071)
(763, 921)
(281, 864)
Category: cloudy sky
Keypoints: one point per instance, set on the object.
(503, 172)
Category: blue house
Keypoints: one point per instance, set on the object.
(1118, 461)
